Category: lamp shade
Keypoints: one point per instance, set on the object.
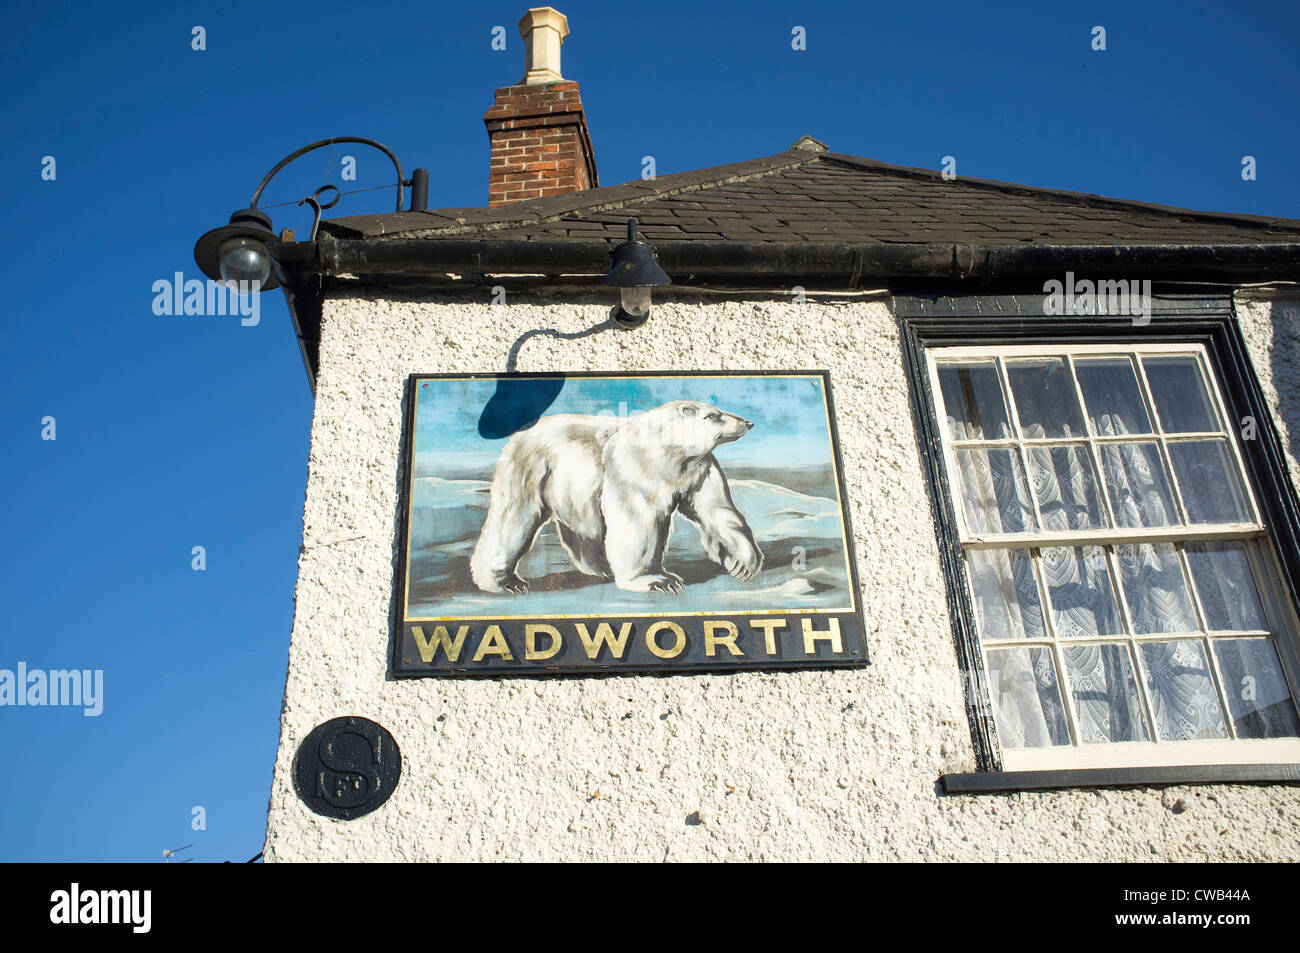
(634, 264)
(250, 224)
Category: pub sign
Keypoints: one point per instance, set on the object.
(619, 523)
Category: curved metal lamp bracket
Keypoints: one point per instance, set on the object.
(314, 201)
(401, 176)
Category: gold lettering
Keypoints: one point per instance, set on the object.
(604, 636)
(769, 627)
(678, 644)
(493, 643)
(429, 647)
(530, 642)
(712, 641)
(832, 634)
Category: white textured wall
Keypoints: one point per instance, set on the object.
(1271, 326)
(793, 766)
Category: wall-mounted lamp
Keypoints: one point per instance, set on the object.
(240, 251)
(634, 270)
(244, 250)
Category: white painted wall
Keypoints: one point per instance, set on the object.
(1270, 323)
(793, 766)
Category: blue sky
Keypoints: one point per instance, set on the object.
(176, 432)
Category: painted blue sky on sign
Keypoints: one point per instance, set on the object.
(789, 415)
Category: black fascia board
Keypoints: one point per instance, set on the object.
(850, 263)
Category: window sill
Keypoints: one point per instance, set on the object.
(1010, 782)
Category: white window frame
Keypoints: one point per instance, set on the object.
(1284, 625)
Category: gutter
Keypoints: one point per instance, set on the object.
(415, 257)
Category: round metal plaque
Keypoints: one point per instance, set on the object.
(347, 767)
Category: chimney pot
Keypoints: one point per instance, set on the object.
(543, 30)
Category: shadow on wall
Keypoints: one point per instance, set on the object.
(520, 402)
(512, 359)
(395, 606)
(1284, 360)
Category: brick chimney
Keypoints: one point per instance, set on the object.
(538, 132)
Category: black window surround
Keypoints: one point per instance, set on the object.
(927, 321)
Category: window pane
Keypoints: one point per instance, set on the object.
(1106, 700)
(1066, 488)
(1178, 391)
(1207, 478)
(1182, 696)
(972, 399)
(1006, 594)
(1137, 486)
(1111, 393)
(1079, 587)
(1045, 398)
(1256, 689)
(1222, 576)
(1026, 698)
(1154, 589)
(994, 495)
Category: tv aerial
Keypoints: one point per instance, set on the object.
(169, 854)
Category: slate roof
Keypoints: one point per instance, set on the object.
(810, 195)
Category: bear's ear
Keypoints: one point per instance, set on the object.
(689, 410)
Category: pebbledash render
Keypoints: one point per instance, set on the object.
(1008, 437)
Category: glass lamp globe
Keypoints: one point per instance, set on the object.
(245, 259)
(636, 300)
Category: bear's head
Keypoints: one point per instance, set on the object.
(696, 428)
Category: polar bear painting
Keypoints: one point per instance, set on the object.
(611, 487)
(554, 496)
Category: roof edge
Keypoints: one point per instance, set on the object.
(1087, 199)
(458, 221)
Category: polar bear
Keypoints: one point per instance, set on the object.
(612, 488)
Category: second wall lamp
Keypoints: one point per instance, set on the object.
(634, 270)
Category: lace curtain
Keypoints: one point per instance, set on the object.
(1102, 677)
